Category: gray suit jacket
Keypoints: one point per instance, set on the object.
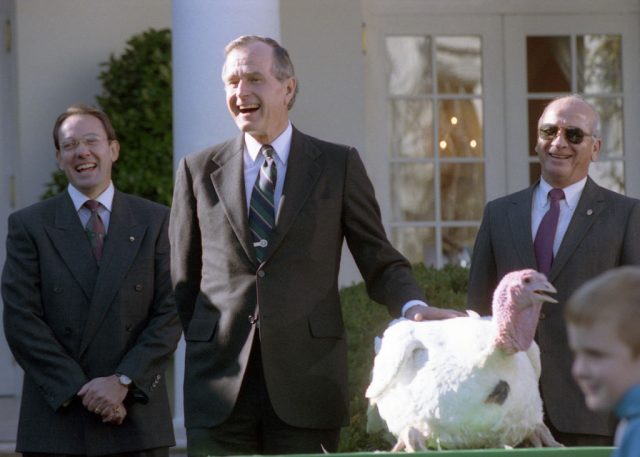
(68, 321)
(327, 197)
(603, 233)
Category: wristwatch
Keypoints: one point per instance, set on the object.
(124, 379)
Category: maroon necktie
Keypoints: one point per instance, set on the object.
(546, 234)
(95, 228)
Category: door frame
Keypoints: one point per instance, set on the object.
(10, 372)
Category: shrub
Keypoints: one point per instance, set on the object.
(364, 320)
(137, 98)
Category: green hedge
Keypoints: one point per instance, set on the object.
(364, 320)
(137, 98)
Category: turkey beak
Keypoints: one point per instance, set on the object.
(546, 288)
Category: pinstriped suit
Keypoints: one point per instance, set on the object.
(68, 321)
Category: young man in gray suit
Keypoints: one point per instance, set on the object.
(257, 227)
(596, 230)
(91, 317)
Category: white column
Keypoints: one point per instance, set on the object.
(200, 31)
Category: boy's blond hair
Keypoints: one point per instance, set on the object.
(615, 293)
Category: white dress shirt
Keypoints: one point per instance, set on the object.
(104, 210)
(253, 160)
(540, 206)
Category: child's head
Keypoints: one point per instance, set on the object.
(603, 322)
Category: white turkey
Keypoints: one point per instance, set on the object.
(467, 382)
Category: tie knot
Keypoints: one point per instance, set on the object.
(93, 205)
(556, 194)
(267, 151)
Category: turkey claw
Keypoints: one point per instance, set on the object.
(410, 440)
(542, 437)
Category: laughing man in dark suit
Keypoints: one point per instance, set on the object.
(92, 325)
(266, 363)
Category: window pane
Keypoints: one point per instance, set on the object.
(412, 128)
(599, 61)
(548, 64)
(459, 64)
(609, 174)
(610, 110)
(410, 58)
(457, 244)
(462, 189)
(416, 243)
(536, 107)
(460, 128)
(534, 172)
(412, 192)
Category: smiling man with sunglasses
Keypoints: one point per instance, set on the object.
(596, 230)
(568, 141)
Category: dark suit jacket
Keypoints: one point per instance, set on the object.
(327, 197)
(603, 233)
(67, 322)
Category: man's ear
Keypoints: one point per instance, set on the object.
(291, 88)
(114, 147)
(595, 151)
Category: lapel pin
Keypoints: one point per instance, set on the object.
(133, 238)
(589, 212)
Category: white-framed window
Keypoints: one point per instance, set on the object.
(436, 156)
(436, 80)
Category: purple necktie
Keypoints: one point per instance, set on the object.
(546, 234)
(95, 229)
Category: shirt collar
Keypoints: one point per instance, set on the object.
(572, 193)
(282, 145)
(105, 198)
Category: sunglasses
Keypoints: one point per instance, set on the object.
(574, 135)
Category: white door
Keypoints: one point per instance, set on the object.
(452, 102)
(558, 54)
(9, 371)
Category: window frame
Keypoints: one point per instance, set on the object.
(379, 159)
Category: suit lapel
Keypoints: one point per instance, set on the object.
(303, 170)
(228, 182)
(520, 223)
(70, 239)
(124, 238)
(590, 205)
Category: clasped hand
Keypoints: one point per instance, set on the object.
(104, 396)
